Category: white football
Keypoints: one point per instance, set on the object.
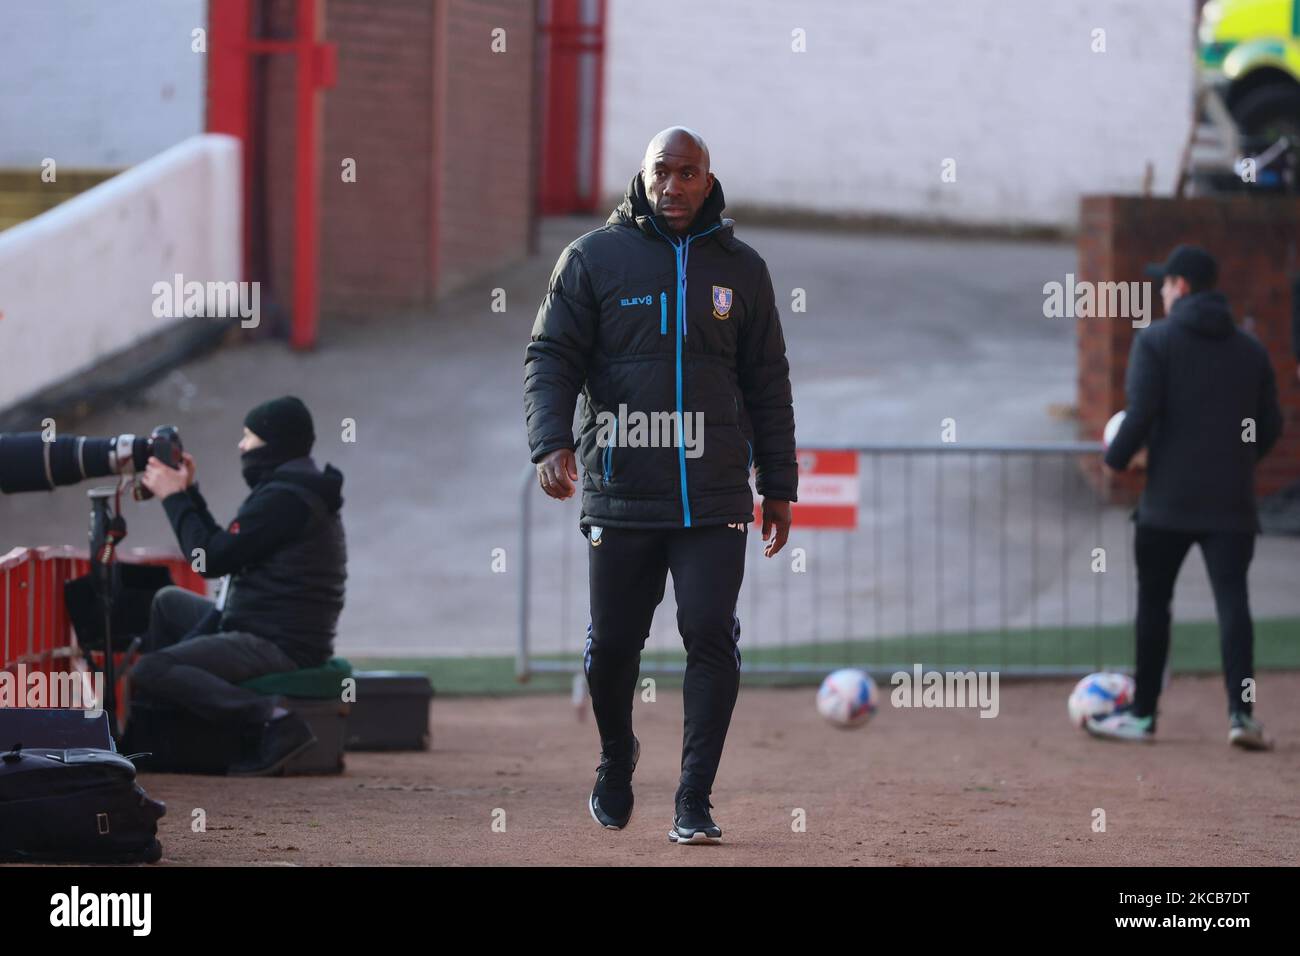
(847, 697)
(1112, 428)
(1098, 695)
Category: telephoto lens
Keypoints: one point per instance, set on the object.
(30, 462)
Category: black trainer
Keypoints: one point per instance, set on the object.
(610, 802)
(691, 821)
(282, 739)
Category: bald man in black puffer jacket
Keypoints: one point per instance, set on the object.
(667, 325)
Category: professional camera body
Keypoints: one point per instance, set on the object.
(31, 462)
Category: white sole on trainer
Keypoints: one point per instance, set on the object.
(1249, 742)
(1102, 735)
(698, 838)
(591, 808)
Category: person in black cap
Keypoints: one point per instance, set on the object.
(1203, 399)
(286, 557)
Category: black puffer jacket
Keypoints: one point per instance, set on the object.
(647, 327)
(1192, 380)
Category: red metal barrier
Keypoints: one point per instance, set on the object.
(34, 626)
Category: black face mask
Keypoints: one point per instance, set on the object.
(258, 464)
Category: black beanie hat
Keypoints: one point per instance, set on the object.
(285, 425)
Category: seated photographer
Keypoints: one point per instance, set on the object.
(286, 554)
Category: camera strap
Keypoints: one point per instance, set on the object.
(223, 591)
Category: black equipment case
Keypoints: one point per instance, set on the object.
(391, 711)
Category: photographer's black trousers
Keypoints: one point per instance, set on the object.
(1160, 553)
(201, 673)
(628, 569)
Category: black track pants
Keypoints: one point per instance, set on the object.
(1160, 553)
(628, 569)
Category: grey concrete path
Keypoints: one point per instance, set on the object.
(899, 334)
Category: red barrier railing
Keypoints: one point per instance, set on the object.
(34, 626)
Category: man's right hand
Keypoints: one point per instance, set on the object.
(558, 473)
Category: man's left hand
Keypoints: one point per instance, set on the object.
(776, 522)
(162, 480)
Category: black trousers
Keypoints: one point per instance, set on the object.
(200, 674)
(628, 569)
(1160, 553)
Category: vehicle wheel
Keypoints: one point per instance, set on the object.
(1267, 114)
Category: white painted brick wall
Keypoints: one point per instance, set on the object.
(861, 122)
(77, 282)
(98, 83)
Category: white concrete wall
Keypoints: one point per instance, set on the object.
(98, 83)
(861, 122)
(76, 283)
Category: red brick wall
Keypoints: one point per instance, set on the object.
(427, 212)
(1254, 240)
(376, 232)
(488, 171)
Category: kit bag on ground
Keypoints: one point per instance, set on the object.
(75, 805)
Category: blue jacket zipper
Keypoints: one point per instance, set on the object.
(682, 252)
(609, 451)
(663, 313)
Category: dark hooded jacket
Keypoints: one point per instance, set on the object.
(285, 551)
(1195, 381)
(652, 329)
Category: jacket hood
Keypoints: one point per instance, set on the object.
(328, 484)
(1205, 313)
(635, 212)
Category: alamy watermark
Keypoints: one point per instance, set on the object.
(133, 911)
(946, 689)
(651, 430)
(1081, 299)
(179, 299)
(80, 690)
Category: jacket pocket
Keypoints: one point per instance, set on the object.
(663, 313)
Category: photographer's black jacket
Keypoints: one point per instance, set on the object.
(622, 324)
(287, 554)
(1193, 379)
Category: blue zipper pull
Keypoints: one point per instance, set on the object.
(681, 298)
(681, 294)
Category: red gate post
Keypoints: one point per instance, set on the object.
(230, 95)
(230, 109)
(316, 71)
